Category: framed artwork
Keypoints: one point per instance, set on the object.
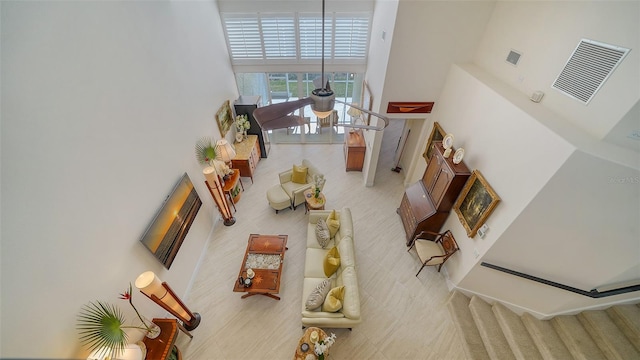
(406, 107)
(475, 203)
(224, 117)
(437, 134)
(367, 101)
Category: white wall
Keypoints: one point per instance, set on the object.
(102, 105)
(428, 37)
(546, 33)
(558, 203)
(383, 22)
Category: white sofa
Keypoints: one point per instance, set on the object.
(295, 191)
(346, 275)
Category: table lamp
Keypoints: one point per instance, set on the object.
(225, 151)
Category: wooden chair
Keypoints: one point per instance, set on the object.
(434, 252)
(328, 121)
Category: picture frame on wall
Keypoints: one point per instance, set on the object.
(224, 118)
(437, 134)
(475, 203)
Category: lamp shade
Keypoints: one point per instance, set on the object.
(150, 285)
(353, 112)
(225, 150)
(211, 175)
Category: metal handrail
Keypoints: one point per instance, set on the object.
(593, 293)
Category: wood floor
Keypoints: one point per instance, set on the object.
(404, 317)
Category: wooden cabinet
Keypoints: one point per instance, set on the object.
(443, 179)
(245, 105)
(354, 149)
(426, 204)
(247, 156)
(418, 213)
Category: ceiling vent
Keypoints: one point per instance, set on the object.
(588, 68)
(513, 57)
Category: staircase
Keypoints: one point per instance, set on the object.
(495, 332)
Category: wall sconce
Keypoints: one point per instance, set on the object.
(225, 151)
(161, 294)
(215, 188)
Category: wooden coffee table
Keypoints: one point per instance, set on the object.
(265, 255)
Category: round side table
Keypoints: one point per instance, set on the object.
(313, 203)
(306, 339)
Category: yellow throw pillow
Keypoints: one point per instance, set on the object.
(333, 223)
(299, 174)
(331, 261)
(333, 301)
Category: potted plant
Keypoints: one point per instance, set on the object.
(242, 125)
(101, 327)
(235, 194)
(206, 151)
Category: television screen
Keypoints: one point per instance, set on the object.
(168, 229)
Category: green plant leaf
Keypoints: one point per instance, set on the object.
(205, 151)
(99, 325)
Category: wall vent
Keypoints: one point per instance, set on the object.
(588, 68)
(513, 57)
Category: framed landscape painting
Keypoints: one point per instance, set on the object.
(437, 134)
(224, 117)
(475, 203)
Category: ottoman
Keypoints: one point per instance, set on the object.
(278, 199)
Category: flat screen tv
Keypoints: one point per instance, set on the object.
(169, 227)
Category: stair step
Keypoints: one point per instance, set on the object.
(472, 342)
(489, 329)
(607, 335)
(576, 338)
(516, 333)
(627, 318)
(546, 339)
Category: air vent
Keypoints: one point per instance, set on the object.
(588, 68)
(513, 57)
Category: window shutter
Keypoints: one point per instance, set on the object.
(279, 37)
(243, 36)
(352, 37)
(311, 36)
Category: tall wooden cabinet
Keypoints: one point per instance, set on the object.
(354, 149)
(245, 105)
(426, 204)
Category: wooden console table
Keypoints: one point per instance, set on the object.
(160, 348)
(247, 156)
(231, 184)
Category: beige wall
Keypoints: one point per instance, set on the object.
(102, 103)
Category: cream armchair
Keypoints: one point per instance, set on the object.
(294, 190)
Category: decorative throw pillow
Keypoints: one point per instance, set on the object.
(333, 223)
(333, 301)
(331, 261)
(299, 174)
(322, 233)
(317, 296)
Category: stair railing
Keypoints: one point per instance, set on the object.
(600, 292)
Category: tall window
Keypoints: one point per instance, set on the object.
(270, 38)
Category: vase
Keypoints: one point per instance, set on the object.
(245, 135)
(153, 330)
(239, 136)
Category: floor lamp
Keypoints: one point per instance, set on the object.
(215, 188)
(163, 295)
